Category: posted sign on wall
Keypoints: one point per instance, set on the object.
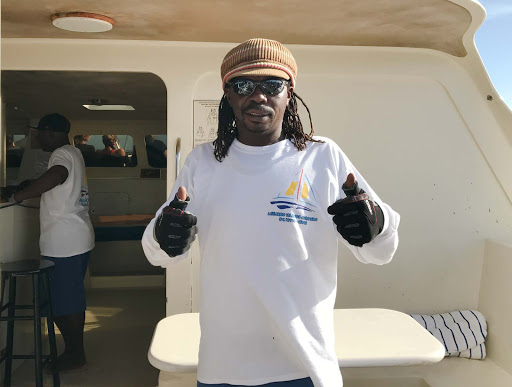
(206, 120)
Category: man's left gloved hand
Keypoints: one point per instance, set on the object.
(358, 219)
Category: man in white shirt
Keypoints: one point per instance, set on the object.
(261, 200)
(67, 235)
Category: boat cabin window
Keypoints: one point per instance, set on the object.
(156, 150)
(15, 146)
(24, 159)
(106, 150)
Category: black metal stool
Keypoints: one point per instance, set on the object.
(38, 269)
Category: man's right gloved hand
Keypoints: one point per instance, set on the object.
(175, 229)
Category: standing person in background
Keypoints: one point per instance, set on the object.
(67, 235)
(270, 203)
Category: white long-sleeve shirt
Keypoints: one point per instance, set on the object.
(269, 259)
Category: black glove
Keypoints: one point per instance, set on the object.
(175, 229)
(358, 219)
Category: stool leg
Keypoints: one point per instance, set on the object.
(10, 332)
(37, 333)
(51, 331)
(3, 292)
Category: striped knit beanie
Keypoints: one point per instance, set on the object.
(259, 57)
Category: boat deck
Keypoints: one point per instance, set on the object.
(118, 330)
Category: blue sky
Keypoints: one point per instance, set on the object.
(494, 43)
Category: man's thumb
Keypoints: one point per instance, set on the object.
(182, 193)
(351, 180)
(350, 187)
(180, 200)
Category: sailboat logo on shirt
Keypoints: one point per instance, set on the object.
(298, 195)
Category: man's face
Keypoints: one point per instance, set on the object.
(259, 116)
(50, 140)
(45, 139)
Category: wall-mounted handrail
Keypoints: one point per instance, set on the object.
(178, 155)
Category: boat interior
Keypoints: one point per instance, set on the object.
(399, 85)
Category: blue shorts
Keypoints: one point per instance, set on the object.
(67, 284)
(306, 382)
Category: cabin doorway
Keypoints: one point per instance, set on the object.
(125, 294)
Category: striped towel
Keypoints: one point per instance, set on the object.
(461, 332)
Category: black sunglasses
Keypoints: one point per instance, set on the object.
(246, 87)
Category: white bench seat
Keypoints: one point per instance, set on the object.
(364, 338)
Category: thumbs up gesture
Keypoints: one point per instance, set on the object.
(175, 229)
(358, 219)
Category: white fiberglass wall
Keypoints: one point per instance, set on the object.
(412, 121)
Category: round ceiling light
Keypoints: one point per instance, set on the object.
(82, 22)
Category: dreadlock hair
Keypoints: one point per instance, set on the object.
(292, 127)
